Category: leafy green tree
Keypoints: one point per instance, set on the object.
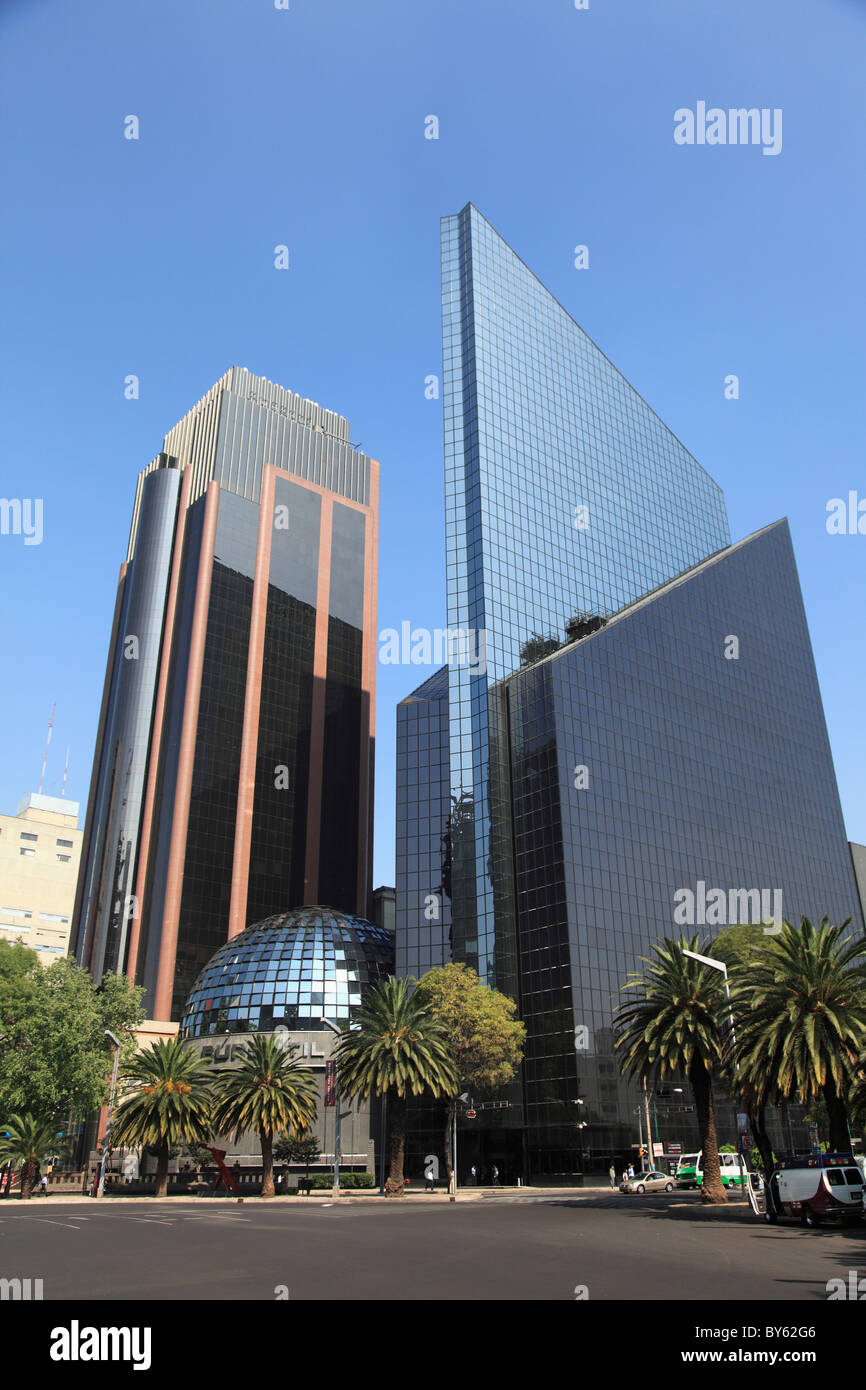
(800, 1014)
(27, 1140)
(674, 1026)
(486, 1038)
(168, 1103)
(740, 944)
(398, 1047)
(298, 1148)
(267, 1091)
(54, 1055)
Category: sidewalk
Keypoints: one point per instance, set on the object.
(465, 1194)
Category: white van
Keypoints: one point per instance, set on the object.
(823, 1187)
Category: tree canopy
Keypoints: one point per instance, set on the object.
(486, 1037)
(54, 1055)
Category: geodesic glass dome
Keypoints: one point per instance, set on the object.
(289, 971)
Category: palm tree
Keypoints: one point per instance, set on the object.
(675, 1027)
(800, 1012)
(741, 947)
(398, 1046)
(28, 1140)
(857, 1094)
(169, 1103)
(268, 1092)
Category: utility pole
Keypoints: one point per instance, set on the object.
(101, 1185)
(649, 1141)
(722, 967)
(640, 1136)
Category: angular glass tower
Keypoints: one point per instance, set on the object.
(661, 785)
(233, 772)
(564, 493)
(615, 751)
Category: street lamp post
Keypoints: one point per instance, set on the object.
(337, 1132)
(383, 1129)
(452, 1187)
(101, 1184)
(720, 965)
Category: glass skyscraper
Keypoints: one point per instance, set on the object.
(564, 493)
(233, 771)
(661, 785)
(593, 553)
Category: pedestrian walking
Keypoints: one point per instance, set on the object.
(630, 1171)
(625, 1175)
(495, 1175)
(474, 1171)
(612, 1177)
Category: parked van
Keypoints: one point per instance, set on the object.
(690, 1170)
(822, 1187)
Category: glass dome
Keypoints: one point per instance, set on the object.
(289, 971)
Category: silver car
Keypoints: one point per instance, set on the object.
(648, 1182)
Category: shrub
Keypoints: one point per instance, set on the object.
(320, 1181)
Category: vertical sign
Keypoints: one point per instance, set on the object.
(330, 1082)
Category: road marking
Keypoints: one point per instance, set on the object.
(217, 1217)
(67, 1225)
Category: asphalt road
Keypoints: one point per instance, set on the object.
(655, 1247)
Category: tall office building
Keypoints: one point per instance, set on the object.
(568, 501)
(564, 493)
(670, 774)
(233, 774)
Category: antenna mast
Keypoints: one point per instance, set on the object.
(47, 743)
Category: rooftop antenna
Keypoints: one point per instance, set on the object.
(47, 743)
(65, 771)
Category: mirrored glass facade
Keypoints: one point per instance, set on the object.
(647, 764)
(564, 493)
(289, 971)
(593, 552)
(424, 852)
(106, 888)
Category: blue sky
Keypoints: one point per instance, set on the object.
(306, 127)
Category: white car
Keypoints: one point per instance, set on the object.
(648, 1182)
